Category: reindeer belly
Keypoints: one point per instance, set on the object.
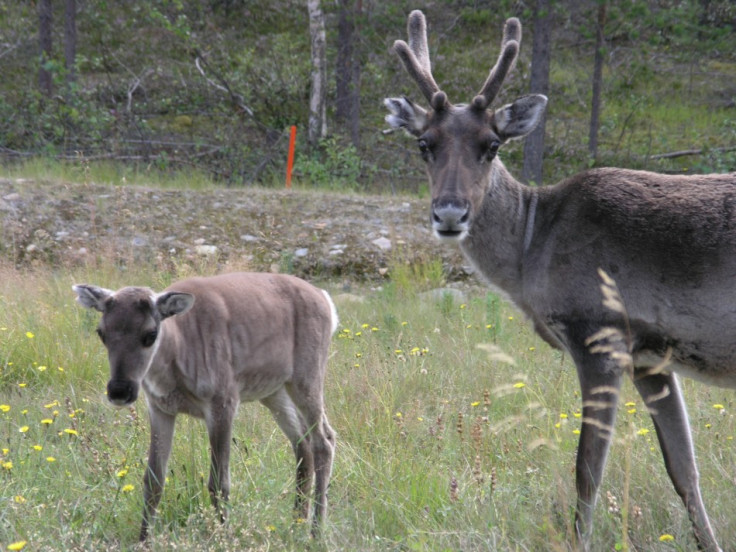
(711, 370)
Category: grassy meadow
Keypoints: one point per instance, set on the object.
(457, 430)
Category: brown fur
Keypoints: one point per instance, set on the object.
(205, 345)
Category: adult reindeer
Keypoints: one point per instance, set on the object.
(668, 241)
(204, 345)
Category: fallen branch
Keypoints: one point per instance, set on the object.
(684, 153)
(223, 86)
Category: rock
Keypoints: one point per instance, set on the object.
(301, 252)
(382, 243)
(205, 250)
(439, 294)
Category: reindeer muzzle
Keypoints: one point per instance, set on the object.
(122, 392)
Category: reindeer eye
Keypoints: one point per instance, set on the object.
(424, 149)
(149, 338)
(491, 151)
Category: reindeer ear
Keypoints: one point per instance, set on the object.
(92, 297)
(173, 302)
(517, 119)
(406, 114)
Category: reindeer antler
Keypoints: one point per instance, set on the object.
(415, 55)
(506, 60)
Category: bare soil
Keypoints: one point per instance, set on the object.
(313, 234)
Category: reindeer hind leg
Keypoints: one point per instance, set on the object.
(291, 422)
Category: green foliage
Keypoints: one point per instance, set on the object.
(333, 166)
(140, 98)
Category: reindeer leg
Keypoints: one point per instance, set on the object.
(322, 438)
(162, 434)
(219, 421)
(600, 381)
(662, 395)
(290, 421)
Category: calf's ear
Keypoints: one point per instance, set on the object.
(170, 303)
(92, 297)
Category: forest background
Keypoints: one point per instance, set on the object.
(213, 86)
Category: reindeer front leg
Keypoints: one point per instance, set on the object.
(162, 434)
(219, 428)
(600, 381)
(662, 395)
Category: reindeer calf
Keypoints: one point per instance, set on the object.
(204, 345)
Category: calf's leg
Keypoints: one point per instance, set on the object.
(219, 420)
(322, 438)
(162, 434)
(662, 395)
(290, 421)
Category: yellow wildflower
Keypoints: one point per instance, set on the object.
(50, 459)
(519, 385)
(47, 421)
(7, 465)
(666, 538)
(4, 407)
(30, 335)
(23, 429)
(19, 545)
(127, 488)
(71, 431)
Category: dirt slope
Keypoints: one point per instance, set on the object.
(312, 234)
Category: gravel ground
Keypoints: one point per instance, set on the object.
(312, 234)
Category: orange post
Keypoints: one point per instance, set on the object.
(290, 160)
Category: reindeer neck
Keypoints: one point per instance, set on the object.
(501, 230)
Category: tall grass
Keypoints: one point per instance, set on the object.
(457, 430)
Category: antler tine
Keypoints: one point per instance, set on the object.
(506, 60)
(415, 55)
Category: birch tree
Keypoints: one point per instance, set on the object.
(317, 127)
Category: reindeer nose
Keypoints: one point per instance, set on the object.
(451, 219)
(122, 392)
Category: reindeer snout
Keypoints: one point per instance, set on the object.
(122, 392)
(451, 219)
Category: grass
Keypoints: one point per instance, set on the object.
(457, 430)
(86, 171)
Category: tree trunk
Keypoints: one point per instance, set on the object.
(347, 74)
(45, 23)
(70, 40)
(595, 105)
(317, 95)
(539, 84)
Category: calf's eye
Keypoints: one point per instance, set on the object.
(149, 338)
